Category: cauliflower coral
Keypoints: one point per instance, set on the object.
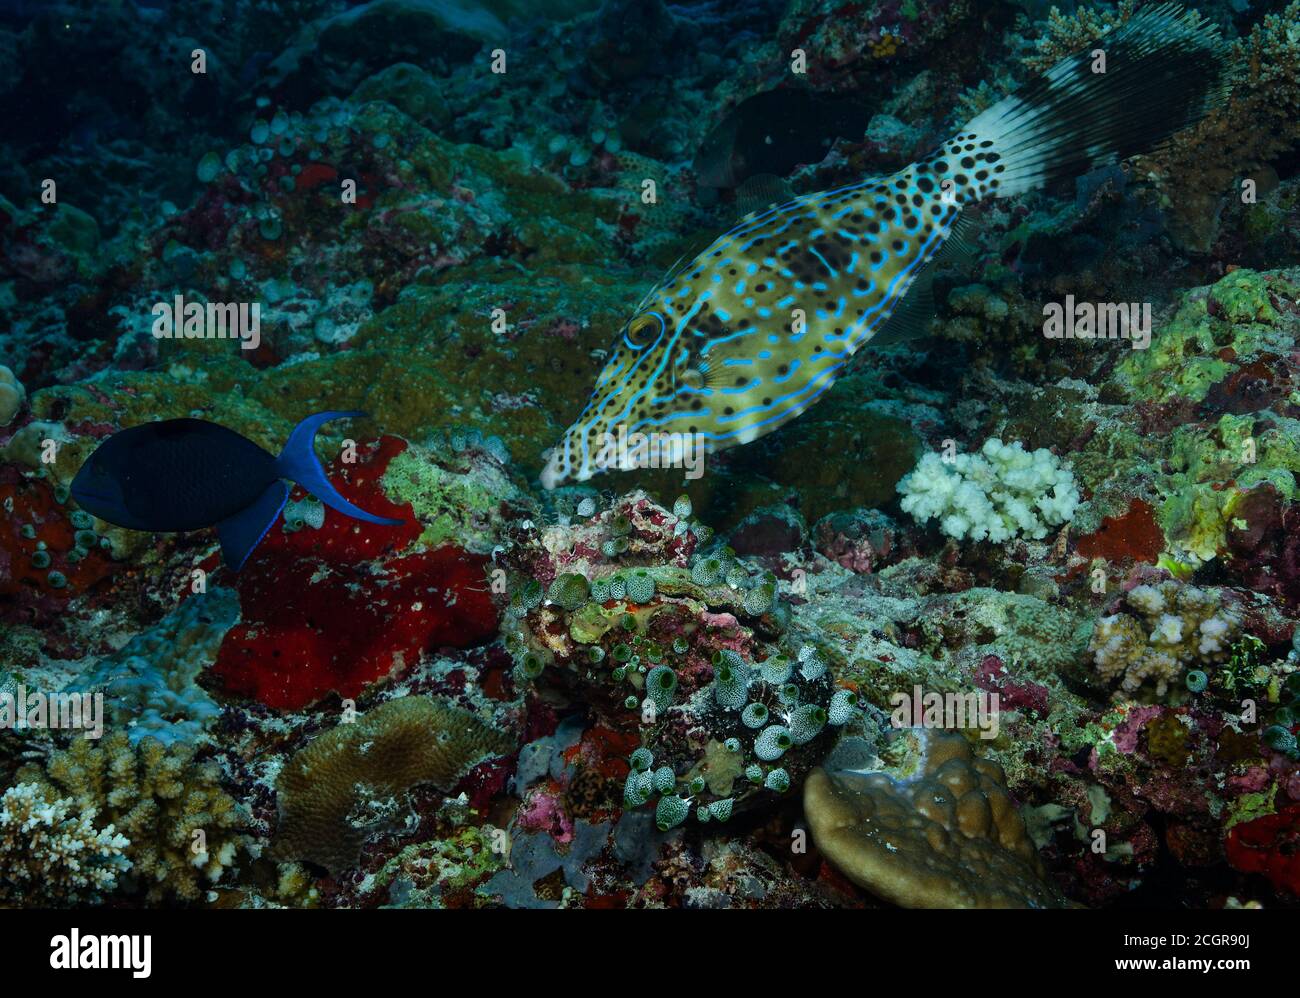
(1169, 628)
(1002, 492)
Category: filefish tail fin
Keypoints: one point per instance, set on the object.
(1153, 76)
(298, 463)
(242, 532)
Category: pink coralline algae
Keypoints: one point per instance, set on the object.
(1012, 694)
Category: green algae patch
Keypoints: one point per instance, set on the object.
(424, 873)
(593, 622)
(1212, 468)
(462, 508)
(1212, 332)
(1250, 806)
(1243, 297)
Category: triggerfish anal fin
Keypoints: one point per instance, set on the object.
(298, 463)
(244, 531)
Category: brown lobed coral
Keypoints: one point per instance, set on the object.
(937, 829)
(350, 782)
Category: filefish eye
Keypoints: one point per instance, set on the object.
(642, 330)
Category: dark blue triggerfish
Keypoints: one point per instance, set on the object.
(186, 474)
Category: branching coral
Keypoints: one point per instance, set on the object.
(181, 826)
(936, 829)
(1169, 628)
(1067, 34)
(1260, 121)
(1000, 493)
(52, 853)
(349, 783)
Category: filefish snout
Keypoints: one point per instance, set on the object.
(560, 466)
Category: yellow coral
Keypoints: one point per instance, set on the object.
(181, 825)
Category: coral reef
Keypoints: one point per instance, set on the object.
(167, 812)
(934, 829)
(643, 689)
(347, 784)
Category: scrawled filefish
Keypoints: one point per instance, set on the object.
(756, 328)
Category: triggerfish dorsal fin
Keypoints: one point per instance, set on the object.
(761, 192)
(242, 532)
(298, 463)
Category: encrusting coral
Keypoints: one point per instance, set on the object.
(12, 395)
(1000, 493)
(181, 827)
(1169, 628)
(936, 829)
(348, 783)
(52, 853)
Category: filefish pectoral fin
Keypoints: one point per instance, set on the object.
(913, 317)
(242, 532)
(298, 463)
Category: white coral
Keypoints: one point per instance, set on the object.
(1000, 493)
(50, 854)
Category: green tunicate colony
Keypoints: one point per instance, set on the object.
(747, 689)
(1277, 735)
(84, 540)
(772, 706)
(568, 591)
(308, 512)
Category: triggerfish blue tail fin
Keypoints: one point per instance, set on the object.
(298, 463)
(244, 531)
